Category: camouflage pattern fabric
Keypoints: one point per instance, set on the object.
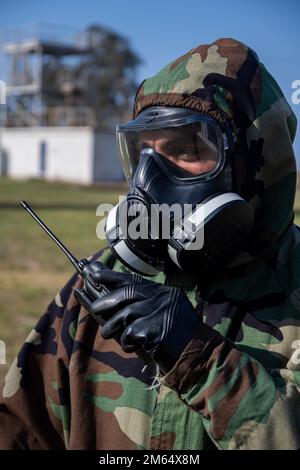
(226, 81)
(237, 383)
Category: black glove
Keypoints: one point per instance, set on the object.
(143, 314)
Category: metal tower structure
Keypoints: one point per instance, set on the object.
(39, 88)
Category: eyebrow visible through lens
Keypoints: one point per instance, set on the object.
(164, 143)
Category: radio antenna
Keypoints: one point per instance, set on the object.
(74, 261)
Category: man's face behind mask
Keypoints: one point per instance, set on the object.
(184, 146)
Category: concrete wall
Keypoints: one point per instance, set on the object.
(106, 161)
(59, 153)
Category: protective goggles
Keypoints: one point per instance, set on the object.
(191, 140)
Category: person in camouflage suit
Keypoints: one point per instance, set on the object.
(237, 383)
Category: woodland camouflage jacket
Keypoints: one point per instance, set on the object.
(237, 383)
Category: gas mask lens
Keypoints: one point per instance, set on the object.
(196, 147)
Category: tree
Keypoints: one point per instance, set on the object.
(107, 74)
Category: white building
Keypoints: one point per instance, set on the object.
(72, 154)
(48, 130)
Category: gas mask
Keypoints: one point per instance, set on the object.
(181, 207)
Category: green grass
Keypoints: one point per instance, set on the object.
(32, 268)
(42, 192)
(24, 245)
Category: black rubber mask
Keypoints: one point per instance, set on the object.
(170, 216)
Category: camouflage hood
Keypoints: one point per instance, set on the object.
(226, 81)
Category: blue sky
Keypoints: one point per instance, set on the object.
(161, 30)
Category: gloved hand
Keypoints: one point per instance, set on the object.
(142, 313)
